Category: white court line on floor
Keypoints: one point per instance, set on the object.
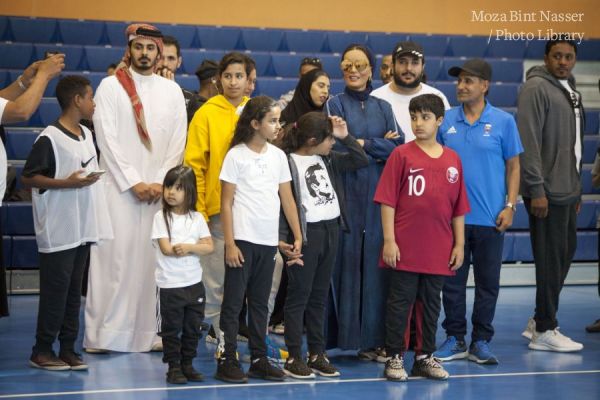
(286, 383)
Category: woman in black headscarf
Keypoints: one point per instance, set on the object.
(310, 95)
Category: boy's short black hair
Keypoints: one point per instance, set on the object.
(172, 41)
(235, 57)
(68, 87)
(552, 43)
(427, 103)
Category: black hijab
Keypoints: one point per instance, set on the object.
(302, 102)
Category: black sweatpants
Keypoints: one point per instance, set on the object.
(181, 313)
(553, 241)
(406, 287)
(254, 279)
(308, 286)
(61, 273)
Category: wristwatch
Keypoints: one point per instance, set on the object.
(511, 206)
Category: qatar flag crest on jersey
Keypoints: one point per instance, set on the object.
(452, 175)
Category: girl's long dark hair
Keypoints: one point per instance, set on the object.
(184, 176)
(255, 109)
(311, 125)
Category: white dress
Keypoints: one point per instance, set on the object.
(120, 312)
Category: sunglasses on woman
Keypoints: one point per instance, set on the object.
(360, 66)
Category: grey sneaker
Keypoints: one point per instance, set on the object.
(429, 367)
(394, 369)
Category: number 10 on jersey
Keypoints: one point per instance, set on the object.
(416, 185)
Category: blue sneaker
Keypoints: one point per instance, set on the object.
(451, 349)
(480, 353)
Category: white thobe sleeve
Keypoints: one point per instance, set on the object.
(105, 125)
(174, 151)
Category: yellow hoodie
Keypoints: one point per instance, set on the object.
(209, 136)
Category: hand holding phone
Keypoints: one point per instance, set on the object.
(95, 173)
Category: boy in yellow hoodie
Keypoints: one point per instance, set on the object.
(209, 135)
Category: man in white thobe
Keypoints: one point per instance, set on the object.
(140, 123)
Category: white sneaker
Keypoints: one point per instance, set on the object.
(553, 340)
(394, 369)
(528, 332)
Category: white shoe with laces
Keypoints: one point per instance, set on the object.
(394, 369)
(528, 332)
(553, 340)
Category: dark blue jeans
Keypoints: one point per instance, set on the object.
(483, 249)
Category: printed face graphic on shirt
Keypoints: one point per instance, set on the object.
(452, 175)
(318, 185)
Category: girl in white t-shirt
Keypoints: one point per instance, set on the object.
(181, 236)
(254, 177)
(317, 184)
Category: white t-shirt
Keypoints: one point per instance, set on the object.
(400, 104)
(256, 199)
(576, 102)
(172, 271)
(318, 196)
(3, 161)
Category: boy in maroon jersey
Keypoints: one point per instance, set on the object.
(423, 202)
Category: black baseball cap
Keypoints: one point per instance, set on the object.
(410, 48)
(474, 66)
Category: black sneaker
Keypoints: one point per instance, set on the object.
(297, 368)
(261, 368)
(320, 364)
(229, 370)
(191, 374)
(175, 375)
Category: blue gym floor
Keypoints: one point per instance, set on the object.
(521, 374)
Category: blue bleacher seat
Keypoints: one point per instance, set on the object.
(73, 54)
(220, 38)
(192, 58)
(3, 27)
(33, 30)
(82, 32)
(433, 66)
(94, 77)
(535, 50)
(262, 39)
(468, 46)
(24, 253)
(586, 181)
(384, 43)
(18, 166)
(15, 55)
(587, 246)
(521, 218)
(115, 33)
(503, 94)
(189, 82)
(331, 65)
(7, 250)
(13, 75)
(4, 76)
(589, 50)
(590, 146)
(263, 63)
(506, 70)
(49, 111)
(286, 65)
(449, 90)
(186, 35)
(447, 63)
(275, 87)
(507, 49)
(337, 86)
(338, 41)
(592, 122)
(19, 219)
(433, 45)
(305, 41)
(521, 249)
(99, 58)
(588, 214)
(19, 141)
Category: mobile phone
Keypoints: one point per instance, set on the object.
(48, 54)
(95, 173)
